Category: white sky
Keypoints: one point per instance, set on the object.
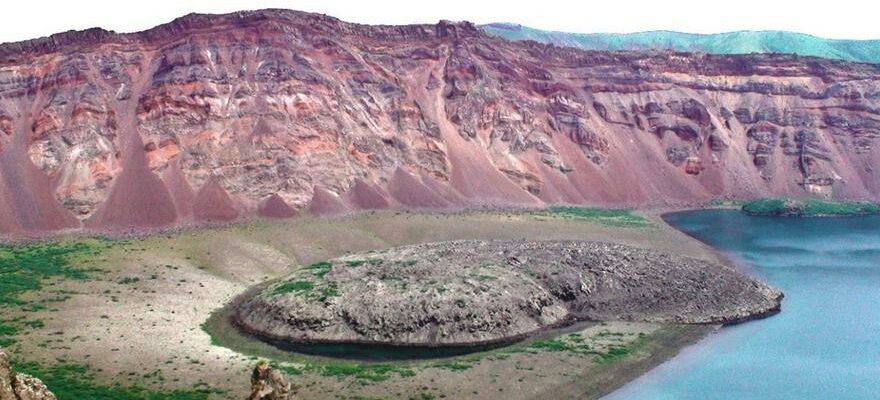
(852, 19)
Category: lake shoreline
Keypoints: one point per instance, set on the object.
(662, 347)
(173, 283)
(668, 354)
(828, 269)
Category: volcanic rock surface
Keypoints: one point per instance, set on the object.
(14, 386)
(280, 102)
(480, 292)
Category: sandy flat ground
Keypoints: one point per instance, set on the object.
(138, 320)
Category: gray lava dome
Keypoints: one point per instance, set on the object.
(464, 293)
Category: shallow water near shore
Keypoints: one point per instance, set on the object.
(825, 342)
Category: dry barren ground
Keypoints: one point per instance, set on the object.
(137, 320)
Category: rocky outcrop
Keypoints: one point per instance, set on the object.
(478, 292)
(14, 386)
(280, 102)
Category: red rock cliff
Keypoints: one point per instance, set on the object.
(280, 102)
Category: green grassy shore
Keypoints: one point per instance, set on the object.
(74, 311)
(808, 207)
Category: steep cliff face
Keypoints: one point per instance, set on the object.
(116, 129)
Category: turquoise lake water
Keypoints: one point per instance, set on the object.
(825, 344)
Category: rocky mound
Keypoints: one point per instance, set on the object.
(408, 190)
(481, 292)
(26, 200)
(15, 386)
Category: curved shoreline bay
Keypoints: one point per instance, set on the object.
(177, 283)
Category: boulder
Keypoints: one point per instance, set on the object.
(14, 386)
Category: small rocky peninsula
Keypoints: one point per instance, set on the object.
(464, 293)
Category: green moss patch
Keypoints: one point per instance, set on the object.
(571, 343)
(32, 267)
(320, 269)
(310, 283)
(618, 352)
(808, 207)
(365, 373)
(25, 268)
(610, 217)
(74, 382)
(456, 366)
(576, 343)
(293, 287)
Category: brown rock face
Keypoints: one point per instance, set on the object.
(15, 386)
(282, 101)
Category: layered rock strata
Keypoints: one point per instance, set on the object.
(114, 130)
